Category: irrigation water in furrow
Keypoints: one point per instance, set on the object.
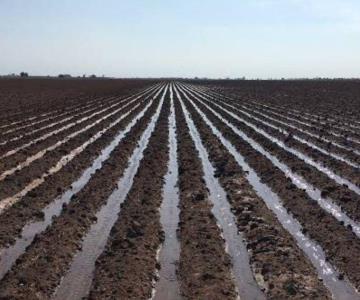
(9, 255)
(127, 267)
(283, 131)
(44, 128)
(317, 117)
(340, 180)
(67, 230)
(204, 265)
(22, 134)
(16, 217)
(84, 119)
(245, 282)
(13, 219)
(68, 109)
(297, 118)
(74, 114)
(32, 118)
(345, 140)
(340, 289)
(314, 220)
(168, 286)
(4, 203)
(41, 153)
(77, 282)
(44, 114)
(344, 197)
(260, 131)
(281, 270)
(301, 140)
(296, 137)
(291, 111)
(273, 117)
(314, 122)
(314, 193)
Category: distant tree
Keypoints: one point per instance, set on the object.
(64, 76)
(24, 74)
(93, 76)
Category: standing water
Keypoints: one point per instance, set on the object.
(243, 276)
(168, 286)
(340, 289)
(9, 255)
(77, 282)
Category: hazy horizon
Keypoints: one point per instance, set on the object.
(254, 39)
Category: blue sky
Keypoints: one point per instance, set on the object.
(229, 38)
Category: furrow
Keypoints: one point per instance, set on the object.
(126, 269)
(330, 117)
(315, 122)
(315, 194)
(10, 254)
(39, 131)
(70, 107)
(347, 170)
(90, 125)
(73, 114)
(342, 137)
(62, 184)
(38, 272)
(278, 264)
(11, 194)
(332, 196)
(168, 286)
(77, 281)
(321, 226)
(69, 128)
(68, 110)
(331, 145)
(204, 266)
(324, 145)
(243, 276)
(339, 179)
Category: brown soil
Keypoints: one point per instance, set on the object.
(339, 243)
(204, 268)
(274, 255)
(29, 207)
(38, 272)
(126, 269)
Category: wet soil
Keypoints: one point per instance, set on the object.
(29, 207)
(339, 243)
(13, 158)
(317, 141)
(340, 193)
(126, 269)
(278, 264)
(38, 272)
(204, 266)
(341, 168)
(25, 135)
(30, 134)
(25, 98)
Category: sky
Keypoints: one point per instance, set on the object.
(187, 38)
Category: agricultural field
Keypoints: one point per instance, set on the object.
(189, 189)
